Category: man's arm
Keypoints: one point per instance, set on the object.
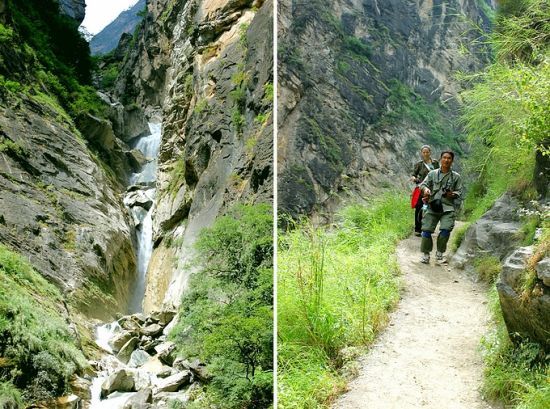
(427, 184)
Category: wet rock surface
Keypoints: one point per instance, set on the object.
(153, 376)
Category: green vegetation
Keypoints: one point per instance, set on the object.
(335, 289)
(37, 353)
(405, 103)
(44, 41)
(505, 113)
(268, 92)
(201, 106)
(458, 236)
(488, 268)
(227, 317)
(517, 376)
(506, 119)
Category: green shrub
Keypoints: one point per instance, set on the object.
(227, 316)
(268, 92)
(38, 352)
(10, 397)
(458, 236)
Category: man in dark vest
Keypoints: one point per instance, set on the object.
(441, 189)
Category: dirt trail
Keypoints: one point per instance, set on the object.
(429, 356)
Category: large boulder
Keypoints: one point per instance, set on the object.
(140, 400)
(173, 383)
(127, 349)
(120, 381)
(495, 234)
(527, 316)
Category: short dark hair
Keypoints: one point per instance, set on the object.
(450, 152)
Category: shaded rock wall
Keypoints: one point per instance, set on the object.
(75, 9)
(205, 67)
(363, 84)
(59, 209)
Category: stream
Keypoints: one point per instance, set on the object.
(139, 200)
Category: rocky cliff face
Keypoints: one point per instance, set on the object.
(204, 67)
(363, 84)
(59, 209)
(75, 9)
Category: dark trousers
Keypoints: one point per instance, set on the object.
(418, 215)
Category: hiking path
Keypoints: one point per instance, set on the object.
(429, 355)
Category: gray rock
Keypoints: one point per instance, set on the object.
(68, 402)
(494, 234)
(128, 324)
(140, 400)
(100, 135)
(141, 199)
(166, 352)
(543, 271)
(163, 399)
(76, 9)
(62, 212)
(174, 382)
(527, 316)
(81, 388)
(165, 372)
(151, 330)
(127, 349)
(138, 358)
(197, 368)
(171, 325)
(143, 378)
(164, 317)
(120, 381)
(120, 339)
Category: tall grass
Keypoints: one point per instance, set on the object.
(517, 376)
(335, 289)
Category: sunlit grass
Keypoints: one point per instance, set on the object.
(335, 289)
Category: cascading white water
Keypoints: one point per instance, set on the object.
(104, 333)
(140, 201)
(149, 145)
(144, 251)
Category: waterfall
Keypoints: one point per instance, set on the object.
(139, 199)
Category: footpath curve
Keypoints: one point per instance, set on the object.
(429, 356)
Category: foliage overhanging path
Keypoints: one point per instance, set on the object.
(429, 355)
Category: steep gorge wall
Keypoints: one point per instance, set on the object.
(60, 203)
(363, 84)
(205, 68)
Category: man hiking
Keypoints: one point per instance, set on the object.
(440, 189)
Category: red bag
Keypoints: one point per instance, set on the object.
(415, 196)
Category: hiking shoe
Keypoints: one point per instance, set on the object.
(425, 258)
(440, 258)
